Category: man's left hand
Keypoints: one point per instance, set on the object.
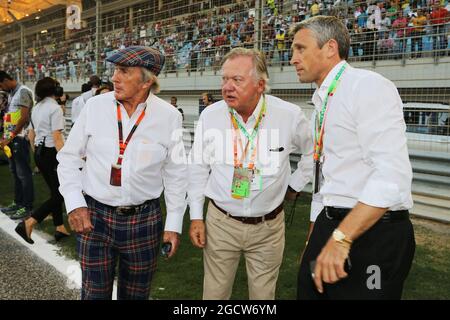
(330, 264)
(174, 239)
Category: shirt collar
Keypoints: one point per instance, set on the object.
(320, 93)
(141, 105)
(13, 91)
(255, 113)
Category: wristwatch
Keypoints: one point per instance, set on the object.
(341, 238)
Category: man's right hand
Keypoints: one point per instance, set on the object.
(197, 233)
(80, 221)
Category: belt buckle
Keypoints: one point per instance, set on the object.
(125, 211)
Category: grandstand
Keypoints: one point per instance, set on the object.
(405, 40)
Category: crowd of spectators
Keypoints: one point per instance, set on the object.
(389, 29)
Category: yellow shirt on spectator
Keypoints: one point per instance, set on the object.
(315, 9)
(280, 41)
(419, 23)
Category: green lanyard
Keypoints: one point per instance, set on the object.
(321, 117)
(250, 137)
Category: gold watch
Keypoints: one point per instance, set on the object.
(341, 238)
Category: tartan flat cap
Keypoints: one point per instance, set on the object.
(139, 56)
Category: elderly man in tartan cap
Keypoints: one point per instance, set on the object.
(133, 152)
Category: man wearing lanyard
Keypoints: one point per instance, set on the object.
(362, 243)
(133, 152)
(240, 161)
(16, 120)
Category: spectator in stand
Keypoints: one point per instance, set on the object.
(385, 24)
(400, 27)
(386, 46)
(362, 17)
(357, 38)
(392, 9)
(315, 9)
(438, 18)
(281, 45)
(419, 23)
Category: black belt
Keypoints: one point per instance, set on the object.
(253, 220)
(126, 210)
(333, 213)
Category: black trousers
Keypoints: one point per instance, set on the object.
(381, 259)
(47, 163)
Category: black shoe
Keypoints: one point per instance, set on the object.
(21, 230)
(60, 235)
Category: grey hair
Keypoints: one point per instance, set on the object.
(260, 71)
(147, 75)
(324, 29)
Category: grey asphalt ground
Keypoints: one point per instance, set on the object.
(24, 276)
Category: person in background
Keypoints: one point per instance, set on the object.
(3, 105)
(207, 98)
(104, 88)
(77, 103)
(62, 98)
(46, 139)
(95, 83)
(173, 101)
(17, 118)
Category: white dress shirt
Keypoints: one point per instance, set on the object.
(76, 107)
(365, 154)
(79, 103)
(283, 130)
(47, 117)
(154, 160)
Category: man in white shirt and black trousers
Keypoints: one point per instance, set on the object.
(362, 243)
(132, 143)
(240, 161)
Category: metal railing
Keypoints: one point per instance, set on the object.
(196, 40)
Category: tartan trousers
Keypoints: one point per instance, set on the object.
(131, 240)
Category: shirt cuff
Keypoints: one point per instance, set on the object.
(74, 200)
(196, 210)
(380, 194)
(174, 222)
(298, 182)
(316, 207)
